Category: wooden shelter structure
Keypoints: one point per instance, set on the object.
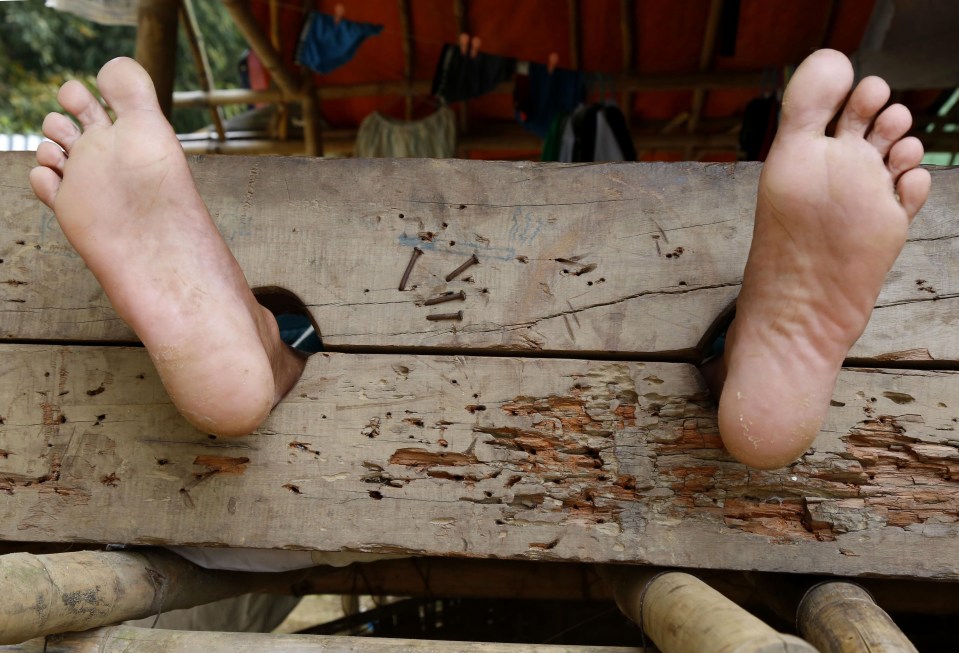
(553, 441)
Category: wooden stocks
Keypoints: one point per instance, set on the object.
(680, 613)
(840, 617)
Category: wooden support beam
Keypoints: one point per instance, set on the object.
(198, 49)
(627, 22)
(573, 13)
(407, 29)
(60, 592)
(239, 11)
(281, 117)
(461, 15)
(620, 84)
(705, 61)
(841, 617)
(681, 613)
(156, 46)
(123, 639)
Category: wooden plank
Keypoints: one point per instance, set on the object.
(604, 259)
(481, 457)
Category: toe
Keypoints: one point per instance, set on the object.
(816, 91)
(61, 130)
(51, 156)
(913, 189)
(866, 101)
(126, 86)
(905, 155)
(78, 100)
(45, 183)
(891, 125)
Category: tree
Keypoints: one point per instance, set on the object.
(42, 48)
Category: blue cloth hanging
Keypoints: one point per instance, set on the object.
(326, 44)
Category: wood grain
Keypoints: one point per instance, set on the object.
(604, 259)
(591, 461)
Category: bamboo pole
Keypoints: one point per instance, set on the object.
(705, 59)
(620, 84)
(841, 617)
(60, 592)
(406, 27)
(681, 613)
(156, 46)
(250, 29)
(627, 19)
(124, 639)
(194, 39)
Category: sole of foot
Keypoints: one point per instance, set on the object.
(832, 215)
(125, 199)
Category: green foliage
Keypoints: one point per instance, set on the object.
(41, 48)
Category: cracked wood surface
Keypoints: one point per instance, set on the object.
(481, 457)
(626, 258)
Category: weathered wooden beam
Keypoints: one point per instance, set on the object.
(156, 46)
(681, 613)
(646, 280)
(60, 592)
(841, 617)
(459, 456)
(197, 48)
(123, 639)
(239, 11)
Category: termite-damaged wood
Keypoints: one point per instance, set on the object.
(511, 458)
(621, 258)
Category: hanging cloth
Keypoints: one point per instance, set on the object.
(326, 44)
(433, 137)
(460, 77)
(616, 122)
(545, 95)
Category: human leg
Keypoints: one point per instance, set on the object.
(125, 198)
(831, 218)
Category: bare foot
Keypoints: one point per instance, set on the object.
(126, 201)
(831, 218)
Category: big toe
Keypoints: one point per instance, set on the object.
(816, 92)
(126, 86)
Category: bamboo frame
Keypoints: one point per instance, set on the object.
(122, 639)
(681, 613)
(841, 617)
(250, 29)
(194, 38)
(705, 59)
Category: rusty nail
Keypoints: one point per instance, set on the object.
(458, 271)
(409, 267)
(445, 297)
(458, 315)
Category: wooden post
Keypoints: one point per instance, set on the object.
(124, 639)
(681, 613)
(61, 592)
(841, 617)
(156, 46)
(250, 29)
